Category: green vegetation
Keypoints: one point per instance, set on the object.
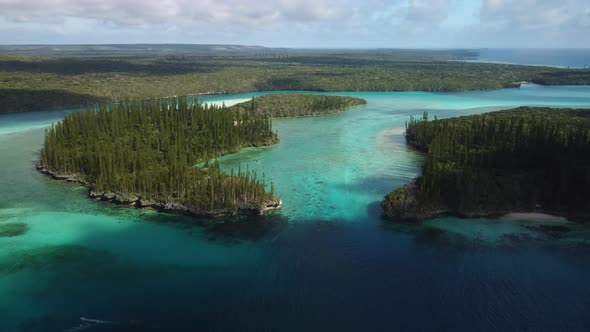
(43, 77)
(563, 77)
(13, 229)
(296, 105)
(145, 153)
(525, 159)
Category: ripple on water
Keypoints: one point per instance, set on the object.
(326, 261)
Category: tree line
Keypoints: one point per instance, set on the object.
(150, 149)
(296, 105)
(46, 81)
(525, 158)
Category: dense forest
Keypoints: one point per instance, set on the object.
(146, 153)
(296, 105)
(563, 77)
(40, 78)
(525, 159)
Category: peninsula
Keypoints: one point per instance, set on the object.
(520, 160)
(145, 154)
(40, 77)
(297, 105)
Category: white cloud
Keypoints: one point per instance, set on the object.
(140, 12)
(535, 14)
(310, 23)
(237, 12)
(428, 12)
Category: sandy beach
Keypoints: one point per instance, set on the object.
(534, 216)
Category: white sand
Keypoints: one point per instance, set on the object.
(534, 216)
(394, 131)
(392, 139)
(229, 102)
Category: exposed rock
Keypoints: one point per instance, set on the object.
(173, 207)
(408, 204)
(59, 176)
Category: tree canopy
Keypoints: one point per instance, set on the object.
(521, 159)
(150, 149)
(296, 105)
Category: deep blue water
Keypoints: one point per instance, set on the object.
(574, 58)
(326, 262)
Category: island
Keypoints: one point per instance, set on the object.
(297, 105)
(520, 160)
(38, 77)
(151, 154)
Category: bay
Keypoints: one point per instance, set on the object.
(326, 261)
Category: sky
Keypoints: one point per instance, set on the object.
(300, 23)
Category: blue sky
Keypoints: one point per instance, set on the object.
(300, 23)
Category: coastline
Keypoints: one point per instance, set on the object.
(409, 207)
(535, 216)
(285, 109)
(408, 204)
(512, 85)
(508, 63)
(171, 207)
(222, 93)
(468, 174)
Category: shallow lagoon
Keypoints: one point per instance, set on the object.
(325, 262)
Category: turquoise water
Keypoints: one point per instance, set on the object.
(325, 262)
(566, 57)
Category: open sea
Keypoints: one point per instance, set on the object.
(564, 57)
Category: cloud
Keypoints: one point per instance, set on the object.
(428, 12)
(308, 23)
(178, 12)
(535, 14)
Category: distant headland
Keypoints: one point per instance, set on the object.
(38, 77)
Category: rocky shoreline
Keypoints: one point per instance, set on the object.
(407, 204)
(171, 207)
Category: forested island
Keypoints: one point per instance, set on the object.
(65, 76)
(297, 105)
(520, 160)
(146, 154)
